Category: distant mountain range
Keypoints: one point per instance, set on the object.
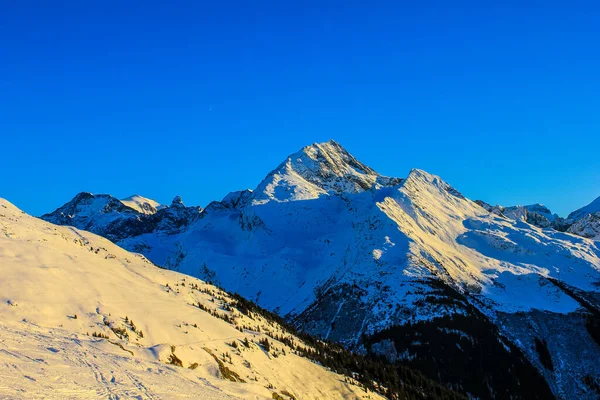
(118, 219)
(583, 222)
(492, 301)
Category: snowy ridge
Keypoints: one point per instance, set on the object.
(142, 204)
(584, 222)
(116, 219)
(535, 214)
(478, 251)
(587, 226)
(88, 205)
(63, 290)
(316, 170)
(592, 208)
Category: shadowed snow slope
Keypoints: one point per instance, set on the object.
(586, 221)
(591, 208)
(62, 290)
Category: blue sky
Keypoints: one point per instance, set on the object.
(201, 98)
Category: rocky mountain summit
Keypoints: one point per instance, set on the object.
(316, 170)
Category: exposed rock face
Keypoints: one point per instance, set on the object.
(585, 221)
(587, 226)
(570, 369)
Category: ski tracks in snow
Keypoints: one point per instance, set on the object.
(36, 364)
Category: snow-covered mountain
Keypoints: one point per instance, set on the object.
(409, 268)
(535, 214)
(583, 222)
(592, 208)
(586, 221)
(82, 318)
(142, 204)
(588, 225)
(116, 219)
(317, 170)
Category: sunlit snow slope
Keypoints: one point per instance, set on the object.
(142, 204)
(61, 287)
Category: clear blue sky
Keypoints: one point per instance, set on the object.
(200, 98)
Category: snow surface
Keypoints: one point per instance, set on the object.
(59, 284)
(142, 204)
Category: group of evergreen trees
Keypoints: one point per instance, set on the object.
(592, 319)
(465, 351)
(373, 372)
(450, 356)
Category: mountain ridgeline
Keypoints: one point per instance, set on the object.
(491, 301)
(118, 219)
(583, 222)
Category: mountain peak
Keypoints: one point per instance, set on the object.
(418, 178)
(539, 208)
(142, 204)
(591, 208)
(177, 202)
(132, 197)
(331, 143)
(85, 206)
(417, 173)
(238, 198)
(331, 158)
(316, 170)
(82, 195)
